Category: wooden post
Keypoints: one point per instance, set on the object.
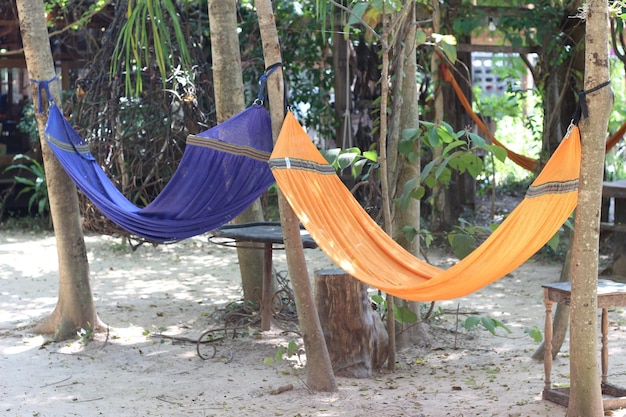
(356, 338)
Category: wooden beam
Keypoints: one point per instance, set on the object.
(502, 49)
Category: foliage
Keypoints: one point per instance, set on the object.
(459, 154)
(488, 323)
(28, 122)
(463, 238)
(352, 158)
(145, 38)
(34, 184)
(534, 333)
(306, 62)
(283, 352)
(401, 314)
(615, 164)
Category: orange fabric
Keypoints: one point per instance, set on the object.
(348, 235)
(521, 160)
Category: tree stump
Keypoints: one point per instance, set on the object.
(356, 338)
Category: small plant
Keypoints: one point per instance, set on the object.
(488, 323)
(35, 186)
(401, 314)
(85, 335)
(462, 238)
(283, 352)
(534, 334)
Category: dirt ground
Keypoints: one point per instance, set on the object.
(180, 290)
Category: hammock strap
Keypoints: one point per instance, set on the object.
(263, 81)
(41, 87)
(582, 111)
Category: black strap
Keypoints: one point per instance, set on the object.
(581, 109)
(263, 80)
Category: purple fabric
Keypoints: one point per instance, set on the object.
(222, 171)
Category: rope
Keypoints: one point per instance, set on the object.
(43, 86)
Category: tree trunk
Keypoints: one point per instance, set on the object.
(320, 375)
(585, 392)
(229, 100)
(400, 169)
(75, 308)
(341, 83)
(356, 338)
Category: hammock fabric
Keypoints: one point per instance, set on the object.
(222, 171)
(347, 234)
(521, 160)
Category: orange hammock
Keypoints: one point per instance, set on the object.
(347, 234)
(521, 160)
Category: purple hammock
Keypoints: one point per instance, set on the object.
(222, 171)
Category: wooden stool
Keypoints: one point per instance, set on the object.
(610, 294)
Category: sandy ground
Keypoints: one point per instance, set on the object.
(180, 290)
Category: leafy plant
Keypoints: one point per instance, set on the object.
(458, 154)
(534, 334)
(290, 350)
(85, 335)
(402, 314)
(352, 158)
(462, 238)
(35, 186)
(145, 40)
(488, 323)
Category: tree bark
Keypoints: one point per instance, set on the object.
(75, 308)
(585, 392)
(341, 83)
(355, 335)
(401, 170)
(320, 375)
(229, 100)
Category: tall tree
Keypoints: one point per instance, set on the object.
(75, 308)
(229, 100)
(320, 375)
(402, 171)
(585, 392)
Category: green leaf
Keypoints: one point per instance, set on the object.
(420, 37)
(462, 244)
(488, 324)
(409, 233)
(331, 155)
(470, 322)
(371, 155)
(404, 314)
(534, 334)
(405, 147)
(433, 138)
(346, 159)
(378, 299)
(553, 243)
(447, 43)
(477, 140)
(357, 13)
(292, 348)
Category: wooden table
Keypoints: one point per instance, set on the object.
(610, 294)
(616, 191)
(271, 235)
